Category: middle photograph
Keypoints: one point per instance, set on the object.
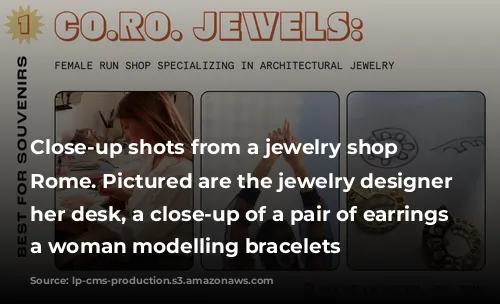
(249, 128)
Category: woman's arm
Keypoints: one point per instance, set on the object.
(239, 232)
(314, 231)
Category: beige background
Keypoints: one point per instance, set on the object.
(436, 45)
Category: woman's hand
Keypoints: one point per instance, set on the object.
(111, 191)
(275, 137)
(296, 161)
(96, 179)
(76, 202)
(114, 193)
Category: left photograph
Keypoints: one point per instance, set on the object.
(124, 118)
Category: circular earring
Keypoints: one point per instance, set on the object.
(436, 244)
(372, 199)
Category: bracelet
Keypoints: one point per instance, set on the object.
(310, 199)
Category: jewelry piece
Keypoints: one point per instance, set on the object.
(372, 199)
(436, 244)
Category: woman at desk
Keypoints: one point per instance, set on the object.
(152, 117)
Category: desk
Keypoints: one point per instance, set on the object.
(68, 229)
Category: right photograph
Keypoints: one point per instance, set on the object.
(438, 134)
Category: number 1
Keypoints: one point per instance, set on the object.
(24, 24)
